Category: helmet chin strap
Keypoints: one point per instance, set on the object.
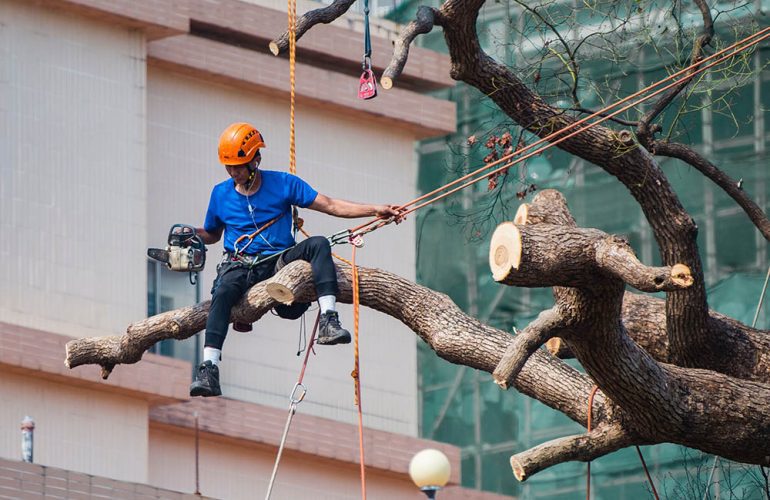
(253, 167)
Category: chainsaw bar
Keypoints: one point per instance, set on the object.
(158, 254)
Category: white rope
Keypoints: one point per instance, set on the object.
(295, 400)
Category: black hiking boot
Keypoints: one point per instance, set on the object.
(206, 382)
(330, 332)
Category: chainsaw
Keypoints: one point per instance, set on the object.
(185, 252)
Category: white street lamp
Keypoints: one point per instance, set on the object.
(429, 469)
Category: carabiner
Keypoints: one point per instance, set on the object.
(339, 237)
(297, 399)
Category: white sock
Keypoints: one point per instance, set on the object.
(327, 303)
(212, 354)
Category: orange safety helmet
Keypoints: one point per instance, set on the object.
(239, 143)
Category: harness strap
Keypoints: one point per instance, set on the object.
(251, 236)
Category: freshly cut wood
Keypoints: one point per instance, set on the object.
(504, 250)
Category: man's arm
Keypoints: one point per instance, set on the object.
(209, 238)
(351, 210)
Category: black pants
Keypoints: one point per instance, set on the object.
(234, 279)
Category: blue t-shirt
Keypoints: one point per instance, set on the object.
(241, 215)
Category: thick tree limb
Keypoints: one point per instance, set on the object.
(423, 23)
(675, 231)
(530, 256)
(454, 335)
(324, 15)
(583, 448)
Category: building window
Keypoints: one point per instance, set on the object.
(168, 290)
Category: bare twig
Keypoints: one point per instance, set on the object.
(644, 132)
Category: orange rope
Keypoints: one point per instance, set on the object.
(356, 374)
(292, 62)
(292, 21)
(719, 56)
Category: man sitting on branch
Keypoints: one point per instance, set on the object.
(253, 209)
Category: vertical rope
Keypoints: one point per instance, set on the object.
(355, 374)
(647, 473)
(588, 466)
(295, 399)
(292, 61)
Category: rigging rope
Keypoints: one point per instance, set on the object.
(292, 10)
(697, 68)
(356, 374)
(294, 399)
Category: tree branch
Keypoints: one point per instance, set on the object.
(583, 448)
(324, 15)
(423, 23)
(454, 336)
(733, 188)
(615, 257)
(527, 256)
(524, 344)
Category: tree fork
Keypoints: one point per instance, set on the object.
(524, 344)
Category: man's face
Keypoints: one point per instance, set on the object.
(241, 173)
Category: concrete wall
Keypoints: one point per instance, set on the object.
(79, 429)
(340, 157)
(72, 172)
(234, 472)
(32, 481)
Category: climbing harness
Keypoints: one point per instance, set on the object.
(185, 252)
(250, 238)
(295, 398)
(367, 84)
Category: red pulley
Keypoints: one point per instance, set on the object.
(367, 85)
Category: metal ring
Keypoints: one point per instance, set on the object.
(297, 399)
